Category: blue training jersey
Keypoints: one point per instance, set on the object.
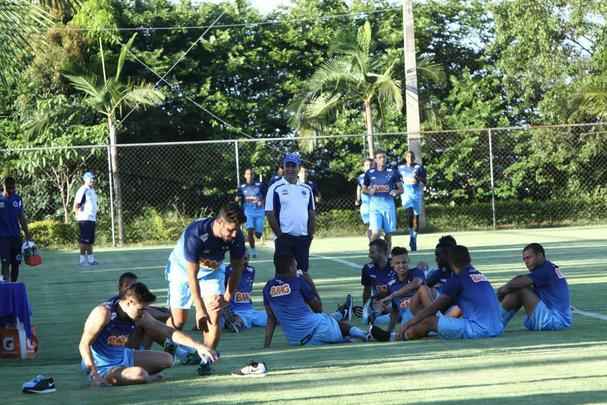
(408, 174)
(473, 293)
(274, 179)
(383, 182)
(551, 287)
(110, 343)
(287, 297)
(378, 280)
(10, 210)
(438, 277)
(197, 244)
(412, 274)
(241, 300)
(360, 180)
(252, 196)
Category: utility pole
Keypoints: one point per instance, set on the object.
(412, 93)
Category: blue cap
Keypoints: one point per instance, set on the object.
(88, 175)
(292, 158)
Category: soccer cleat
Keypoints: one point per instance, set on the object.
(93, 263)
(186, 356)
(204, 369)
(379, 334)
(357, 310)
(347, 311)
(39, 385)
(170, 347)
(253, 369)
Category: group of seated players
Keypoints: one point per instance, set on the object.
(453, 301)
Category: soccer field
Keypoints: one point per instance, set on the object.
(519, 367)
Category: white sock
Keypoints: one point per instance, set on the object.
(82, 259)
(91, 258)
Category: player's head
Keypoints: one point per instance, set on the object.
(378, 251)
(249, 175)
(9, 185)
(135, 299)
(228, 221)
(441, 255)
(447, 240)
(88, 178)
(400, 260)
(125, 281)
(285, 264)
(409, 157)
(367, 164)
(290, 164)
(459, 258)
(534, 256)
(380, 159)
(278, 170)
(303, 173)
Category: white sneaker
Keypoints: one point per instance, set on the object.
(253, 369)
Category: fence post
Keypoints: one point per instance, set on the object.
(237, 165)
(109, 169)
(489, 134)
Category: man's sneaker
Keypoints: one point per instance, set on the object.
(39, 385)
(357, 310)
(186, 356)
(93, 263)
(379, 334)
(413, 243)
(253, 369)
(231, 321)
(84, 264)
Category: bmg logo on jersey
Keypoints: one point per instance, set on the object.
(242, 297)
(280, 290)
(119, 340)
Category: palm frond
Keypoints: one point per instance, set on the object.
(431, 70)
(143, 96)
(87, 85)
(123, 54)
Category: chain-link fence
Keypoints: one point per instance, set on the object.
(477, 179)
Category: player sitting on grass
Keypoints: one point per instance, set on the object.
(403, 288)
(241, 314)
(543, 292)
(291, 302)
(376, 278)
(471, 292)
(106, 358)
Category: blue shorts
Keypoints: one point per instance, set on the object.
(364, 213)
(255, 220)
(405, 316)
(252, 317)
(382, 217)
(461, 328)
(180, 296)
(544, 318)
(327, 331)
(105, 365)
(413, 202)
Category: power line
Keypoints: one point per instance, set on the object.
(147, 30)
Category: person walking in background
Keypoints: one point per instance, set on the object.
(413, 176)
(362, 199)
(85, 208)
(252, 195)
(12, 220)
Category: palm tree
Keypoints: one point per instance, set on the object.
(108, 98)
(351, 75)
(593, 97)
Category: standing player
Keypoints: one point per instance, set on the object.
(543, 292)
(376, 278)
(362, 199)
(85, 208)
(12, 220)
(103, 346)
(290, 212)
(471, 291)
(413, 176)
(241, 305)
(382, 184)
(304, 178)
(277, 175)
(196, 272)
(251, 195)
(291, 302)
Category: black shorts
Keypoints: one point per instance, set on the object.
(10, 249)
(87, 232)
(298, 246)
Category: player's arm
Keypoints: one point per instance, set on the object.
(410, 286)
(158, 328)
(517, 283)
(442, 303)
(315, 304)
(359, 192)
(23, 223)
(96, 321)
(270, 326)
(77, 200)
(393, 318)
(237, 269)
(366, 293)
(201, 311)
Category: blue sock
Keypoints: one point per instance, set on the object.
(357, 333)
(507, 315)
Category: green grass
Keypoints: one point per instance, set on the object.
(517, 368)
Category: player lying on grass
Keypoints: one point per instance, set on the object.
(543, 292)
(241, 314)
(403, 288)
(106, 358)
(471, 292)
(291, 302)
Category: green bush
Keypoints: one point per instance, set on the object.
(155, 226)
(51, 232)
(339, 222)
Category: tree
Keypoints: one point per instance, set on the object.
(109, 97)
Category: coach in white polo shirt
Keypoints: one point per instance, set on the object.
(85, 208)
(290, 213)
